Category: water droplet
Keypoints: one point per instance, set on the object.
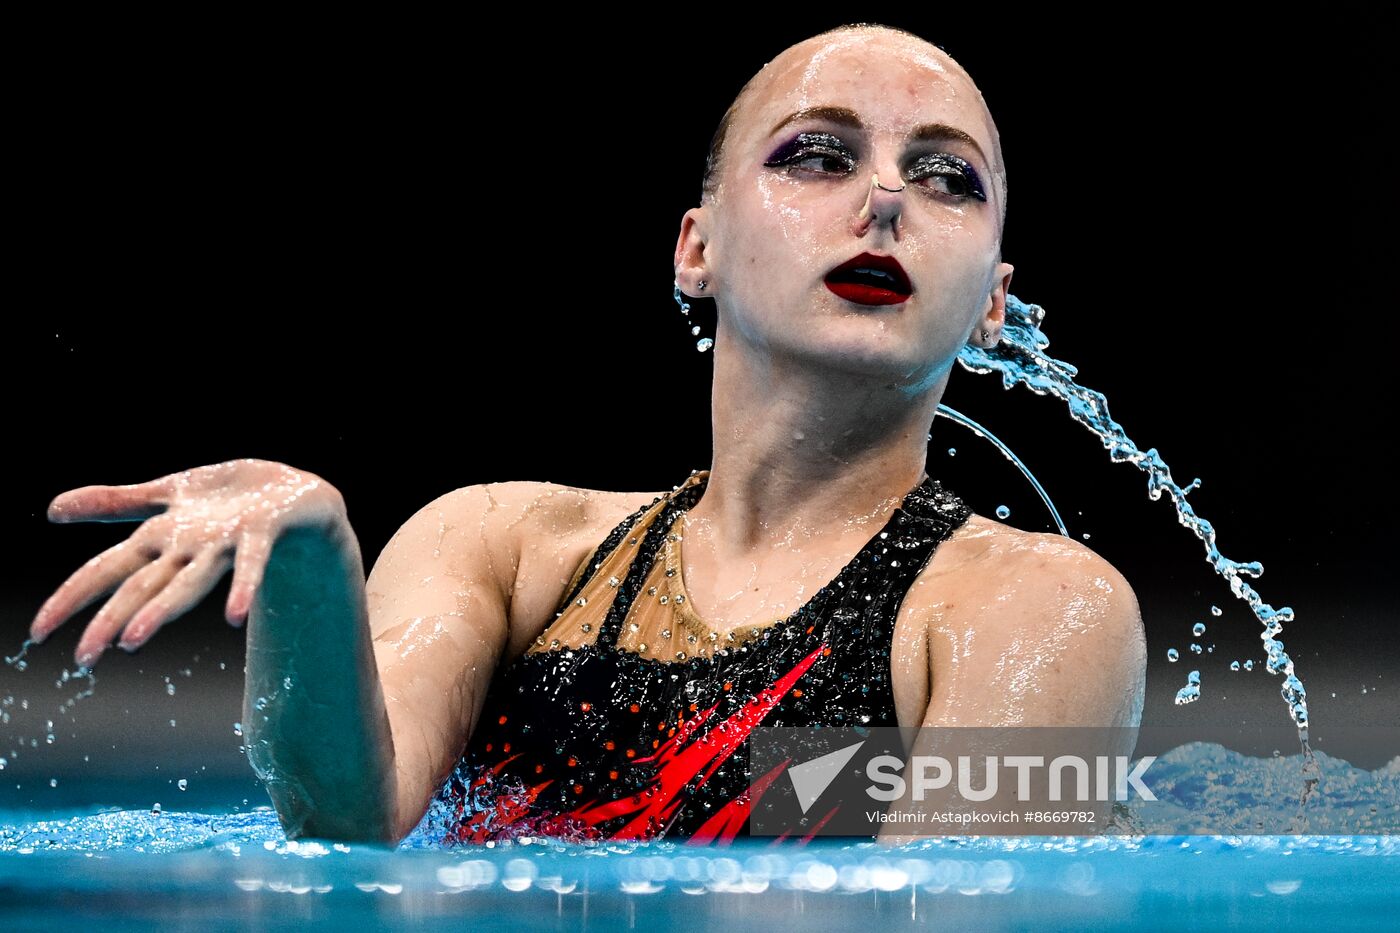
(155, 810)
(238, 728)
(170, 689)
(1198, 629)
(1234, 665)
(1192, 691)
(53, 782)
(1003, 511)
(182, 784)
(1215, 610)
(1172, 655)
(703, 344)
(1195, 648)
(952, 451)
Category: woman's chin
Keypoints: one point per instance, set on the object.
(885, 356)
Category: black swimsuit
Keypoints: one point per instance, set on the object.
(595, 741)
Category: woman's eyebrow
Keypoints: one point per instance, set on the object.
(845, 116)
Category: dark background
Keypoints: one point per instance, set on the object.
(357, 248)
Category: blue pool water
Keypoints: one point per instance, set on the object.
(212, 871)
(221, 869)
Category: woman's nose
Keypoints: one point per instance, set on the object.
(883, 204)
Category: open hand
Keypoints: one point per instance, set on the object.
(197, 523)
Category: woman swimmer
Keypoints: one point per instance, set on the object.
(849, 232)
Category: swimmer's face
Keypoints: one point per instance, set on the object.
(788, 208)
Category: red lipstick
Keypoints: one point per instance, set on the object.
(870, 279)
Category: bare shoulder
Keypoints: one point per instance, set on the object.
(531, 512)
(543, 531)
(513, 534)
(1042, 629)
(538, 512)
(987, 561)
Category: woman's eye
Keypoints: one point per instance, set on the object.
(815, 152)
(825, 162)
(950, 175)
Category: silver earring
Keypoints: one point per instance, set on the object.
(703, 283)
(704, 343)
(985, 334)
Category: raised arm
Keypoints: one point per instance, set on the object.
(314, 718)
(358, 692)
(313, 713)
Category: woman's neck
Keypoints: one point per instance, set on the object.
(798, 454)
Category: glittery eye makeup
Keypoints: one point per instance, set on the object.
(806, 146)
(836, 158)
(961, 177)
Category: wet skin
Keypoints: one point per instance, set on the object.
(820, 418)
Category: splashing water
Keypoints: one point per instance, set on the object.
(980, 431)
(704, 343)
(1020, 359)
(1192, 691)
(65, 677)
(18, 662)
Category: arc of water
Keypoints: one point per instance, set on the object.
(954, 415)
(1020, 360)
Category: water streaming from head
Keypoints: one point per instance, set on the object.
(1021, 360)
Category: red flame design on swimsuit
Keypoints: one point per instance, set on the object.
(679, 762)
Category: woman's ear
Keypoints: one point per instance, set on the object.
(691, 269)
(994, 316)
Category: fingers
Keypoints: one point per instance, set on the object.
(111, 503)
(190, 585)
(129, 597)
(98, 576)
(250, 560)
